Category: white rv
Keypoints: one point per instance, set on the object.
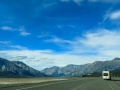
(106, 75)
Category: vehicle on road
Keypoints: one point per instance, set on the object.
(106, 75)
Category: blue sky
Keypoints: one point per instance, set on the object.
(45, 33)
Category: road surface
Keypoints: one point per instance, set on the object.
(70, 84)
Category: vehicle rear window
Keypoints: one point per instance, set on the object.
(105, 74)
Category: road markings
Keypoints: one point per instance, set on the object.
(116, 85)
(44, 85)
(81, 85)
(110, 86)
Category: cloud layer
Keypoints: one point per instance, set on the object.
(115, 15)
(21, 29)
(100, 45)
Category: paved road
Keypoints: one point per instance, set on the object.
(71, 84)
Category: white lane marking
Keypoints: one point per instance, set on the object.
(84, 84)
(116, 85)
(81, 85)
(110, 86)
(45, 85)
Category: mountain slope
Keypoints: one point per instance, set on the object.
(17, 68)
(76, 70)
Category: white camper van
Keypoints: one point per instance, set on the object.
(106, 75)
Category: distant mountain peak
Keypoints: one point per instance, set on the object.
(16, 69)
(77, 70)
(116, 58)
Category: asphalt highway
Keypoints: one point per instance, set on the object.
(70, 84)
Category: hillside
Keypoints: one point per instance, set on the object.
(78, 70)
(17, 69)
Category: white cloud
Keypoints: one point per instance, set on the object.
(18, 47)
(5, 42)
(40, 59)
(78, 1)
(65, 0)
(17, 58)
(66, 26)
(48, 5)
(103, 38)
(106, 16)
(21, 29)
(108, 12)
(96, 44)
(23, 33)
(99, 42)
(100, 45)
(107, 1)
(93, 0)
(57, 40)
(9, 45)
(115, 15)
(43, 7)
(40, 36)
(6, 28)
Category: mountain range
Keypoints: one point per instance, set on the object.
(17, 69)
(20, 69)
(79, 70)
